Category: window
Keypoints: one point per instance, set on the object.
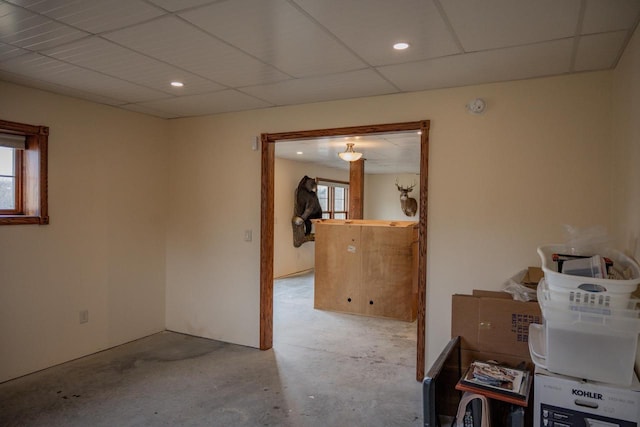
(334, 198)
(23, 173)
(10, 180)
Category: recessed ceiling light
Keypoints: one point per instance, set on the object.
(299, 153)
(177, 84)
(401, 46)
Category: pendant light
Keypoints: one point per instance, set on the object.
(349, 155)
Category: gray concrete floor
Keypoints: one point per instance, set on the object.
(326, 369)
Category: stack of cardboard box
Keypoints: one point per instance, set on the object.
(492, 326)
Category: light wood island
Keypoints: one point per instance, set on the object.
(367, 267)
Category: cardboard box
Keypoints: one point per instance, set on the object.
(492, 326)
(492, 322)
(566, 401)
(532, 277)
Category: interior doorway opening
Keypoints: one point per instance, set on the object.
(267, 221)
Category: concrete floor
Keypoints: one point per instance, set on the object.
(326, 369)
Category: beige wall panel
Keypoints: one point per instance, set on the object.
(104, 249)
(500, 184)
(625, 153)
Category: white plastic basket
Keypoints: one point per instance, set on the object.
(572, 289)
(584, 341)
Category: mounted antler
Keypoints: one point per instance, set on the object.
(408, 204)
(407, 189)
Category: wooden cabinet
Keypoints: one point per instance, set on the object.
(367, 267)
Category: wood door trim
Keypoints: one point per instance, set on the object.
(422, 252)
(267, 222)
(266, 243)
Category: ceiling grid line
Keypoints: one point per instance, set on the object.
(447, 23)
(213, 36)
(577, 35)
(630, 33)
(239, 55)
(327, 31)
(339, 41)
(165, 62)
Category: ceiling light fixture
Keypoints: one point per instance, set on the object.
(349, 155)
(401, 46)
(177, 84)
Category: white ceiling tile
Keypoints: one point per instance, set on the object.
(599, 51)
(51, 70)
(104, 56)
(371, 27)
(179, 43)
(610, 15)
(94, 16)
(7, 51)
(52, 87)
(283, 52)
(175, 5)
(491, 24)
(280, 35)
(25, 29)
(210, 103)
(516, 63)
(380, 153)
(149, 111)
(353, 84)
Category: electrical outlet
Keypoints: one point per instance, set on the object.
(84, 316)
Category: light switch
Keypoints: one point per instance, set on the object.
(248, 235)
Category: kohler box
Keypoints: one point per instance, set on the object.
(562, 401)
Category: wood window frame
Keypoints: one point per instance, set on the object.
(33, 195)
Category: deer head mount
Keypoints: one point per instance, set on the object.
(408, 204)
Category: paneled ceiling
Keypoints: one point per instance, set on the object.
(388, 153)
(235, 55)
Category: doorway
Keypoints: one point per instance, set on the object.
(267, 221)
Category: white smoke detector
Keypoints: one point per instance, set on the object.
(477, 106)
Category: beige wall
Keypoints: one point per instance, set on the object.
(382, 198)
(104, 249)
(625, 152)
(500, 184)
(287, 258)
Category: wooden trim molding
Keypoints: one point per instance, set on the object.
(266, 243)
(422, 252)
(356, 189)
(267, 222)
